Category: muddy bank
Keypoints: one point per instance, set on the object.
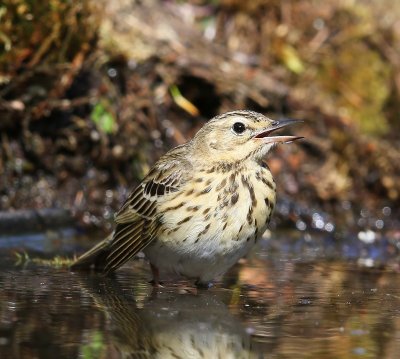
(133, 79)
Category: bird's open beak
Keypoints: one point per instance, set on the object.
(265, 134)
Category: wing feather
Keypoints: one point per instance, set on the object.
(138, 220)
(122, 248)
(128, 246)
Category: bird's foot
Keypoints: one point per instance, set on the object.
(156, 284)
(156, 277)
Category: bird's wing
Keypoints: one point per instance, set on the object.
(138, 220)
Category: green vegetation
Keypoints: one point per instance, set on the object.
(56, 262)
(95, 347)
(34, 33)
(104, 120)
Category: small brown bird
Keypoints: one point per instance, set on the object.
(202, 206)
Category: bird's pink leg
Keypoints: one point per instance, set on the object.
(156, 276)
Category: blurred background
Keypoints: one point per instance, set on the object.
(93, 92)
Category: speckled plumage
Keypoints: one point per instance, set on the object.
(202, 206)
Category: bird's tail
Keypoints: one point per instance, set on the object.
(94, 257)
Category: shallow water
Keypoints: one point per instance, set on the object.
(286, 300)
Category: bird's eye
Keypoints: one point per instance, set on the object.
(238, 127)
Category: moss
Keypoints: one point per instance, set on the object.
(359, 78)
(38, 32)
(56, 262)
(353, 74)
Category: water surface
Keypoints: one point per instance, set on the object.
(279, 303)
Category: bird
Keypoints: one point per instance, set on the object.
(202, 206)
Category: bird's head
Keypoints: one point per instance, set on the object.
(239, 135)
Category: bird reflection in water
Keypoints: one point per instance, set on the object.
(169, 325)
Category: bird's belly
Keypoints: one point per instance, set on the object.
(202, 261)
(200, 240)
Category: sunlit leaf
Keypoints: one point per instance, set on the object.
(103, 119)
(291, 59)
(182, 102)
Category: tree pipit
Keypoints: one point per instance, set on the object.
(202, 206)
